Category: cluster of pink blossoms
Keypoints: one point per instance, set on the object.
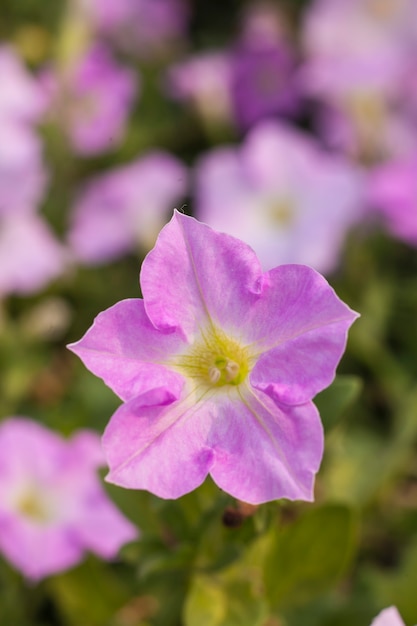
(355, 62)
(30, 255)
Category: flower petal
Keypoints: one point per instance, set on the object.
(158, 448)
(252, 448)
(104, 529)
(299, 328)
(264, 452)
(127, 352)
(194, 273)
(38, 550)
(388, 617)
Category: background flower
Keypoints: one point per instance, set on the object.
(393, 192)
(30, 255)
(53, 507)
(21, 97)
(126, 207)
(144, 26)
(388, 617)
(92, 99)
(23, 174)
(255, 193)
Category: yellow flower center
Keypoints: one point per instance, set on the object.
(31, 505)
(281, 212)
(215, 360)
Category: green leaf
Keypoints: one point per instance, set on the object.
(231, 597)
(206, 603)
(398, 586)
(225, 600)
(333, 401)
(90, 593)
(311, 555)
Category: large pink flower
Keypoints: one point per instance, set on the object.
(217, 366)
(52, 505)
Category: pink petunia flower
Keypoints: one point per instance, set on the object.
(248, 81)
(52, 505)
(343, 33)
(357, 55)
(203, 81)
(92, 100)
(393, 193)
(262, 67)
(388, 617)
(217, 366)
(282, 194)
(21, 97)
(30, 254)
(142, 26)
(126, 207)
(262, 82)
(23, 174)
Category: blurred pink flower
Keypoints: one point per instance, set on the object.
(21, 97)
(247, 82)
(92, 100)
(393, 192)
(52, 505)
(388, 617)
(217, 366)
(282, 194)
(358, 54)
(262, 82)
(340, 34)
(30, 255)
(143, 26)
(262, 67)
(23, 175)
(126, 207)
(204, 82)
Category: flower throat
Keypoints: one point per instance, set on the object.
(216, 360)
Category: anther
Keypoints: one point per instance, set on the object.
(214, 375)
(232, 370)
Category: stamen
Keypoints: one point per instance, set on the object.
(214, 375)
(217, 360)
(232, 370)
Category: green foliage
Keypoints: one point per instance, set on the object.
(231, 596)
(311, 555)
(230, 599)
(398, 586)
(89, 594)
(333, 401)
